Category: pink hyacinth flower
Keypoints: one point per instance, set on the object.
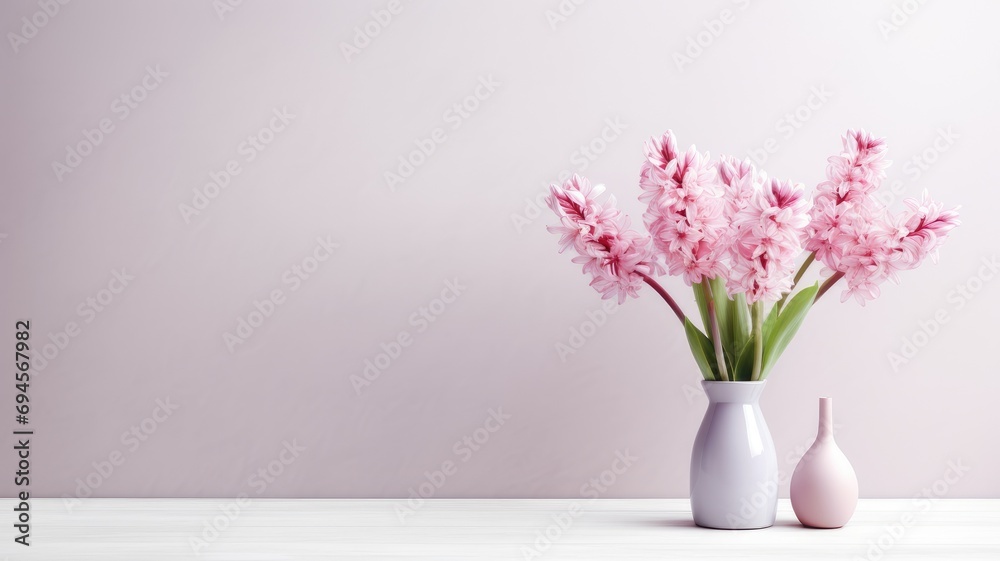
(851, 179)
(616, 256)
(854, 235)
(926, 225)
(738, 179)
(685, 210)
(767, 239)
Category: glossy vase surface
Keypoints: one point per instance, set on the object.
(734, 468)
(824, 488)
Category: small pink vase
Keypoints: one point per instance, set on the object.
(824, 487)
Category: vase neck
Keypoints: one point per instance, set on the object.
(825, 418)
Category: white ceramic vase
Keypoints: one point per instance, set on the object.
(734, 468)
(824, 488)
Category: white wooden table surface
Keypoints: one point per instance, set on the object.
(165, 529)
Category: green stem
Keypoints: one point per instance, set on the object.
(757, 311)
(798, 276)
(713, 320)
(827, 284)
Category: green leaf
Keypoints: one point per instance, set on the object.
(740, 320)
(734, 319)
(699, 297)
(769, 322)
(744, 364)
(730, 361)
(785, 325)
(722, 304)
(701, 348)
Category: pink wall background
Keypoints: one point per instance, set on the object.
(283, 401)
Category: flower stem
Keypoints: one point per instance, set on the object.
(713, 320)
(757, 311)
(828, 283)
(798, 276)
(659, 290)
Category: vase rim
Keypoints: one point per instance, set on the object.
(751, 383)
(733, 392)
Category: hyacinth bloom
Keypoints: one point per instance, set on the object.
(616, 256)
(923, 227)
(767, 240)
(685, 209)
(738, 180)
(737, 238)
(855, 236)
(847, 194)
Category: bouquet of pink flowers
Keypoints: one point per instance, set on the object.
(736, 237)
